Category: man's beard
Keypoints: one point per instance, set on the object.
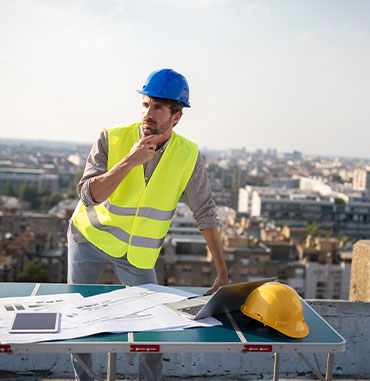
(153, 129)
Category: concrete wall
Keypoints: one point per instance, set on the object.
(350, 319)
(360, 270)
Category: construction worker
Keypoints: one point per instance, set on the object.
(133, 179)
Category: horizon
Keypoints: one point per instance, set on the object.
(202, 149)
(262, 73)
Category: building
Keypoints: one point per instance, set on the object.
(327, 268)
(18, 176)
(16, 223)
(32, 246)
(285, 182)
(37, 237)
(352, 218)
(337, 213)
(326, 281)
(65, 208)
(10, 204)
(314, 184)
(290, 207)
(361, 180)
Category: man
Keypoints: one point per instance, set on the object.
(131, 185)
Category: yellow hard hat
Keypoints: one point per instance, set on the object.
(278, 306)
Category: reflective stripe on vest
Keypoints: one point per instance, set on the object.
(122, 235)
(114, 230)
(136, 217)
(154, 214)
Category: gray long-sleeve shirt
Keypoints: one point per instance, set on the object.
(197, 193)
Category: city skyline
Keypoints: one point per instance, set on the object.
(288, 75)
(72, 145)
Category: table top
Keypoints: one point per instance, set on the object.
(238, 333)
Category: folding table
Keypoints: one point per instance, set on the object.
(237, 334)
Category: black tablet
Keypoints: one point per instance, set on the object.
(35, 322)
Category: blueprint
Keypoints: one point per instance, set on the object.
(133, 309)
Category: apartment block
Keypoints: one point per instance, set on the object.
(326, 281)
(18, 176)
(361, 180)
(336, 213)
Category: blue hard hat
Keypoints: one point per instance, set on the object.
(167, 83)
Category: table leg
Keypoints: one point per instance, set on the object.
(82, 364)
(329, 367)
(276, 366)
(112, 366)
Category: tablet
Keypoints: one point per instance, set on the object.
(35, 322)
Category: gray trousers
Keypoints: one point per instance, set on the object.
(85, 266)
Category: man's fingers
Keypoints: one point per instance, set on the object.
(150, 142)
(219, 281)
(209, 292)
(150, 146)
(151, 138)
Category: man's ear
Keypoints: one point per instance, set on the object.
(176, 117)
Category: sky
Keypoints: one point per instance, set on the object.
(284, 74)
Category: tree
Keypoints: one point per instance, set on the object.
(73, 184)
(279, 224)
(28, 192)
(45, 191)
(339, 201)
(313, 230)
(34, 272)
(9, 190)
(47, 202)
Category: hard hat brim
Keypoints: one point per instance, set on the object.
(159, 96)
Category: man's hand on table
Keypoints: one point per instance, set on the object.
(221, 280)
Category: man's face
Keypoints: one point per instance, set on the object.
(157, 118)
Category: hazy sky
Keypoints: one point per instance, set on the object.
(288, 74)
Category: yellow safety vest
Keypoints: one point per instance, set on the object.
(135, 219)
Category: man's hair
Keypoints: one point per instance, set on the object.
(173, 105)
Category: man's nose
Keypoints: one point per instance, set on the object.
(148, 111)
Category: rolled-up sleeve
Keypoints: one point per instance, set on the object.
(198, 196)
(96, 164)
